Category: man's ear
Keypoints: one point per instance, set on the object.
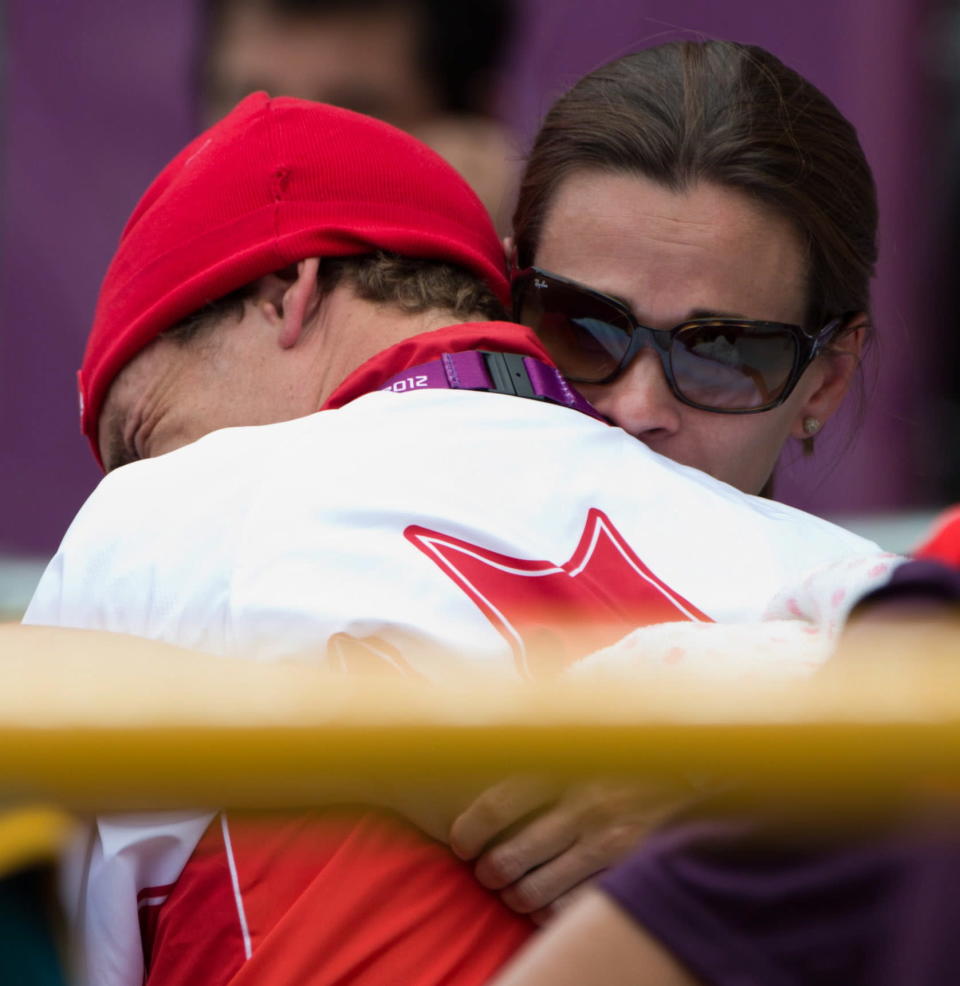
(288, 305)
(832, 374)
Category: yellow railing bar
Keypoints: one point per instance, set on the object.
(123, 724)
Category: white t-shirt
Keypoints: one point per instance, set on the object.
(403, 529)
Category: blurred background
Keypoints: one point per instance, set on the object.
(96, 97)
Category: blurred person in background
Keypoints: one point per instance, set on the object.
(31, 927)
(427, 66)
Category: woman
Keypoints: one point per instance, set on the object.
(707, 185)
(694, 241)
(673, 198)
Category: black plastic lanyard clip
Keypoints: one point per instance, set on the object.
(509, 375)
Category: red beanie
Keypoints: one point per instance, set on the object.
(274, 182)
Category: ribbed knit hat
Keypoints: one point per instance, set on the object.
(274, 182)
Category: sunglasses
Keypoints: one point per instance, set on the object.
(727, 365)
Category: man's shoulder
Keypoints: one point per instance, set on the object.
(193, 495)
(220, 459)
(152, 549)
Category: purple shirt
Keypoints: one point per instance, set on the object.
(748, 904)
(752, 903)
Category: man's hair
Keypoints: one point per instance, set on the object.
(411, 285)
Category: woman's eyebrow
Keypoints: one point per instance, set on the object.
(618, 298)
(713, 313)
(695, 313)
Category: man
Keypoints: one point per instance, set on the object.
(433, 518)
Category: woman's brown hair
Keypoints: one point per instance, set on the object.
(725, 113)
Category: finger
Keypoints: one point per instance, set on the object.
(495, 810)
(544, 915)
(543, 886)
(539, 840)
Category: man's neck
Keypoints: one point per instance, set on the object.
(354, 331)
(431, 347)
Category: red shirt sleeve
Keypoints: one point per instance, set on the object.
(943, 544)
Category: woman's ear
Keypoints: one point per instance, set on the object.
(289, 302)
(510, 249)
(830, 376)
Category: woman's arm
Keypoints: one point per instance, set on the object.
(592, 942)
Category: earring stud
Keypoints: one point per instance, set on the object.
(811, 426)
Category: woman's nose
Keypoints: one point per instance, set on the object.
(639, 400)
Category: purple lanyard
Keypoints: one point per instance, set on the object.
(498, 373)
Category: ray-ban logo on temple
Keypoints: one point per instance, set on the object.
(538, 282)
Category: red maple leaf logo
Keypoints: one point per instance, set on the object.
(552, 614)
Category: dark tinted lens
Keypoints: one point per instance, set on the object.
(732, 366)
(585, 337)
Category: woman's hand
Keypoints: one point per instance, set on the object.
(536, 841)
